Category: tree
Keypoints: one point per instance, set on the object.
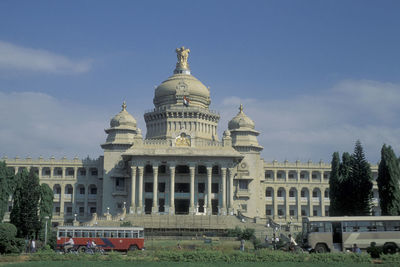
(46, 210)
(388, 182)
(346, 187)
(8, 241)
(335, 187)
(360, 183)
(7, 186)
(24, 214)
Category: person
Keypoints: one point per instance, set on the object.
(69, 244)
(266, 238)
(179, 246)
(292, 242)
(242, 244)
(89, 244)
(33, 246)
(356, 249)
(93, 244)
(274, 241)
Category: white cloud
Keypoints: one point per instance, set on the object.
(14, 57)
(34, 124)
(314, 126)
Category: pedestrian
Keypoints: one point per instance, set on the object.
(242, 244)
(33, 246)
(266, 239)
(274, 241)
(356, 249)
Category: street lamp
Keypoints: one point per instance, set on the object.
(45, 229)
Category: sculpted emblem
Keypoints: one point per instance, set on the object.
(182, 55)
(182, 140)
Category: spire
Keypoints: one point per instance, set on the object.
(123, 106)
(241, 108)
(182, 66)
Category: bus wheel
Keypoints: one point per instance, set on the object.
(389, 248)
(321, 248)
(133, 248)
(82, 249)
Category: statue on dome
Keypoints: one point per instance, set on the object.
(182, 55)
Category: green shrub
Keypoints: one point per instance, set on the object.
(390, 258)
(237, 232)
(8, 241)
(247, 234)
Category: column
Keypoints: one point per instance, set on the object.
(298, 203)
(51, 172)
(275, 175)
(323, 201)
(321, 173)
(63, 172)
(73, 200)
(75, 172)
(309, 176)
(192, 208)
(86, 212)
(154, 209)
(275, 203)
(139, 209)
(286, 175)
(40, 173)
(310, 190)
(298, 175)
(209, 175)
(133, 190)
(231, 209)
(62, 200)
(223, 183)
(287, 205)
(172, 193)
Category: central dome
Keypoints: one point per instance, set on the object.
(182, 85)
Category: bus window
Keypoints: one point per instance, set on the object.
(121, 233)
(78, 233)
(363, 226)
(392, 226)
(128, 234)
(99, 233)
(113, 233)
(92, 234)
(85, 234)
(349, 227)
(61, 233)
(320, 227)
(135, 235)
(379, 226)
(141, 233)
(107, 234)
(70, 233)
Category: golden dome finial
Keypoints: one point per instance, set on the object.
(123, 106)
(241, 108)
(182, 55)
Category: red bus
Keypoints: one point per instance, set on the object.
(108, 238)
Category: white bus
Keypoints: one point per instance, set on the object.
(324, 234)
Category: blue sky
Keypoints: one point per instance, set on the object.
(315, 76)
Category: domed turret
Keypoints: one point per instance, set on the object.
(123, 131)
(123, 119)
(244, 136)
(241, 120)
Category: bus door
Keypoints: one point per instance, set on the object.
(337, 238)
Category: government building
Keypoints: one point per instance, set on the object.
(182, 167)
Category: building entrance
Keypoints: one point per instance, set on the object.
(182, 206)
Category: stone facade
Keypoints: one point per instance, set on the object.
(182, 167)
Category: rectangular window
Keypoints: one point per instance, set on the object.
(314, 176)
(279, 175)
(302, 176)
(93, 210)
(268, 193)
(201, 187)
(267, 175)
(280, 194)
(214, 188)
(268, 212)
(315, 213)
(81, 190)
(161, 187)
(291, 212)
(70, 172)
(120, 184)
(148, 187)
(94, 172)
(83, 172)
(303, 213)
(162, 169)
(280, 212)
(291, 175)
(202, 169)
(243, 185)
(69, 210)
(243, 207)
(315, 194)
(93, 191)
(303, 193)
(57, 209)
(81, 210)
(291, 193)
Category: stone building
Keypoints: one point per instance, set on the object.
(182, 167)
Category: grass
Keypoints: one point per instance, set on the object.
(178, 264)
(222, 245)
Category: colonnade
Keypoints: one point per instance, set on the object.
(226, 192)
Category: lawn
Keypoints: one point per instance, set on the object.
(178, 264)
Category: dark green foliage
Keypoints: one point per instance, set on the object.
(246, 234)
(24, 214)
(8, 241)
(7, 185)
(360, 181)
(335, 192)
(46, 210)
(126, 224)
(388, 182)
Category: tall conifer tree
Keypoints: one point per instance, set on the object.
(388, 182)
(360, 181)
(335, 208)
(7, 180)
(46, 209)
(345, 185)
(24, 214)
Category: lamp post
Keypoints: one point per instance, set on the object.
(45, 229)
